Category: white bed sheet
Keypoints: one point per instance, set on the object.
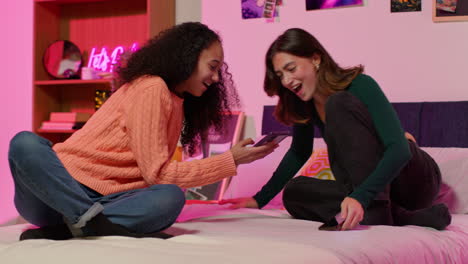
(213, 234)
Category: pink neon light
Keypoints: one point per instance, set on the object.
(103, 62)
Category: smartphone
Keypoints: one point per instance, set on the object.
(333, 227)
(325, 227)
(275, 137)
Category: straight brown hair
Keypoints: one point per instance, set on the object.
(331, 78)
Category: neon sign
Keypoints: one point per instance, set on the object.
(102, 61)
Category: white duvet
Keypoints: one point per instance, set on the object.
(213, 234)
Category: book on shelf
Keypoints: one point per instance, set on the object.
(51, 125)
(69, 117)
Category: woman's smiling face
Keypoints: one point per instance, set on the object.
(298, 74)
(206, 73)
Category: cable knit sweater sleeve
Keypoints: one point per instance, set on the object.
(147, 121)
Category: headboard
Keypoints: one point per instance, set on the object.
(433, 124)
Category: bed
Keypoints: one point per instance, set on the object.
(211, 233)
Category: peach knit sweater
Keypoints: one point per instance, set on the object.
(128, 143)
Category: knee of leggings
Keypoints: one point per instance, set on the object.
(290, 190)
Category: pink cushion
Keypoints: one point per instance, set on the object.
(318, 166)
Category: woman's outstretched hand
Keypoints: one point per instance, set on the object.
(243, 154)
(352, 213)
(236, 203)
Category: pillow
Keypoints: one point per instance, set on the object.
(453, 164)
(441, 155)
(318, 166)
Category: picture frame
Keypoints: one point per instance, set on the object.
(327, 4)
(460, 14)
(217, 143)
(398, 6)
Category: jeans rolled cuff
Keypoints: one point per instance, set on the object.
(92, 212)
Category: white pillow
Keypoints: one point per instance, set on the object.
(453, 164)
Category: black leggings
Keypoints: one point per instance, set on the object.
(354, 151)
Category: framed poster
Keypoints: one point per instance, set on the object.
(325, 4)
(397, 6)
(449, 10)
(260, 8)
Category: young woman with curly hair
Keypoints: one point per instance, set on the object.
(115, 176)
(382, 176)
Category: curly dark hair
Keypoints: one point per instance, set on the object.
(173, 55)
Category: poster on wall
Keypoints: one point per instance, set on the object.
(447, 5)
(324, 4)
(405, 5)
(260, 8)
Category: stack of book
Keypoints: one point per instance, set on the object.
(66, 120)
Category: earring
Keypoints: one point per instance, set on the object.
(317, 66)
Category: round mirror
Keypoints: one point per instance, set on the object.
(62, 60)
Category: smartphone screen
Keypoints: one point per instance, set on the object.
(272, 137)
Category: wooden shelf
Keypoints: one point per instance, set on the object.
(68, 1)
(53, 131)
(88, 24)
(68, 82)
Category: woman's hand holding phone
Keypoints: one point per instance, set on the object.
(275, 137)
(243, 154)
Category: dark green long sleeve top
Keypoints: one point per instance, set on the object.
(396, 150)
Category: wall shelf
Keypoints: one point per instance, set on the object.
(73, 82)
(68, 1)
(52, 131)
(88, 24)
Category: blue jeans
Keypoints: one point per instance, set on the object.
(46, 194)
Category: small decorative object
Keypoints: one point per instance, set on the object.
(259, 8)
(105, 60)
(62, 60)
(100, 97)
(269, 8)
(88, 73)
(323, 4)
(405, 5)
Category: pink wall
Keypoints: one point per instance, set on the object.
(411, 57)
(16, 75)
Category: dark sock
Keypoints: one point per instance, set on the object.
(437, 216)
(57, 232)
(161, 235)
(100, 225)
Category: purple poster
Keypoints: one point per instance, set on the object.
(323, 4)
(259, 8)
